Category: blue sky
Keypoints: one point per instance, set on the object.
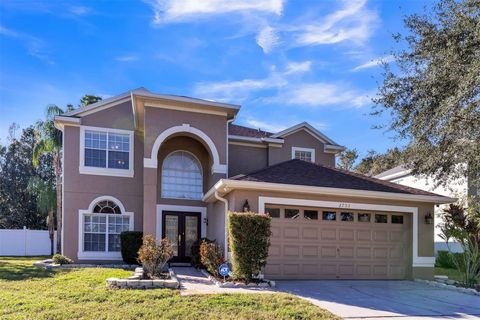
(283, 61)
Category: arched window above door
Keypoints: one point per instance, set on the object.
(182, 176)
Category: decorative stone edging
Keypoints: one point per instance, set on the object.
(230, 284)
(48, 264)
(449, 287)
(134, 282)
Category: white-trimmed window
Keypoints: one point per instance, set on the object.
(100, 227)
(182, 176)
(106, 151)
(305, 154)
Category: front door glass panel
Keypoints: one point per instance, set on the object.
(171, 231)
(191, 233)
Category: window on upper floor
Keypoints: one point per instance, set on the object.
(106, 151)
(182, 176)
(305, 154)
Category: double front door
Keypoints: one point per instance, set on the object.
(182, 229)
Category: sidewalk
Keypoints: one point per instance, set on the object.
(193, 281)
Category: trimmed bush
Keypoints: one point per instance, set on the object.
(59, 259)
(249, 240)
(211, 256)
(154, 256)
(444, 259)
(130, 243)
(196, 260)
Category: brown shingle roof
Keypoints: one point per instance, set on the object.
(298, 172)
(237, 130)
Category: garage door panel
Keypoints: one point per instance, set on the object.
(310, 233)
(364, 252)
(318, 249)
(380, 253)
(310, 251)
(310, 269)
(345, 235)
(380, 235)
(291, 251)
(274, 250)
(291, 233)
(329, 234)
(364, 235)
(329, 252)
(276, 232)
(345, 252)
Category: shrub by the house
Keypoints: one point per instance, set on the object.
(130, 243)
(211, 256)
(196, 259)
(249, 240)
(60, 259)
(154, 256)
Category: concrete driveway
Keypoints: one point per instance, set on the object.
(389, 299)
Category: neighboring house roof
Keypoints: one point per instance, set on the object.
(299, 172)
(237, 130)
(396, 172)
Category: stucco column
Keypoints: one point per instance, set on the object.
(149, 201)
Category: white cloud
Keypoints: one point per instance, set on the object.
(127, 58)
(8, 32)
(353, 22)
(298, 67)
(166, 11)
(322, 94)
(80, 10)
(267, 39)
(35, 47)
(280, 88)
(374, 63)
(271, 127)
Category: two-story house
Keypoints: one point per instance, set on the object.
(172, 166)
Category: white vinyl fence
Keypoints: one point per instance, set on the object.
(24, 242)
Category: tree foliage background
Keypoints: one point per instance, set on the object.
(432, 91)
(18, 204)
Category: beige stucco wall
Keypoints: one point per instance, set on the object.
(300, 139)
(158, 120)
(425, 233)
(81, 189)
(245, 159)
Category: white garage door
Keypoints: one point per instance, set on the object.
(323, 243)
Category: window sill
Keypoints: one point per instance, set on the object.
(97, 255)
(106, 172)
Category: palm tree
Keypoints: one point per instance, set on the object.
(45, 192)
(50, 141)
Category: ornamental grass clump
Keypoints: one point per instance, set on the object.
(463, 226)
(249, 240)
(153, 256)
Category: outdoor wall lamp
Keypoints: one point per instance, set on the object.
(246, 206)
(429, 218)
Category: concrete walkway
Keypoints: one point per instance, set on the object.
(193, 281)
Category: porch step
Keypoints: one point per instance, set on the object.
(180, 264)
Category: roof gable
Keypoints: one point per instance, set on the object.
(308, 128)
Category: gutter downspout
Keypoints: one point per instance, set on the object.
(225, 245)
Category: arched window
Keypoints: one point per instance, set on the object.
(182, 176)
(102, 226)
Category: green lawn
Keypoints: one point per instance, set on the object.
(453, 274)
(27, 292)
